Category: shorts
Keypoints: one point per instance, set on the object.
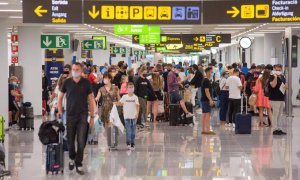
(159, 95)
(206, 108)
(13, 106)
(175, 97)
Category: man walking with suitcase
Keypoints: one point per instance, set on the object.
(80, 99)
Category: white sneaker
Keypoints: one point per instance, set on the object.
(188, 115)
(233, 125)
(128, 147)
(228, 124)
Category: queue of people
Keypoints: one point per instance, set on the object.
(83, 91)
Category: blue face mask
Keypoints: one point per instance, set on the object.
(226, 76)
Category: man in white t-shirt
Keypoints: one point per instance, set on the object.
(131, 108)
(234, 84)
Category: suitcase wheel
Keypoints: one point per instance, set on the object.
(62, 171)
(47, 172)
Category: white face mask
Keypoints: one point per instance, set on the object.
(130, 90)
(105, 81)
(76, 74)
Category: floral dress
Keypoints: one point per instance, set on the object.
(108, 98)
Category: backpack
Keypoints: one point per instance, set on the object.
(266, 88)
(216, 90)
(253, 80)
(48, 132)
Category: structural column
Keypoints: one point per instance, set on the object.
(30, 58)
(273, 48)
(4, 71)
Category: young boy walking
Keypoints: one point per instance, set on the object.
(131, 111)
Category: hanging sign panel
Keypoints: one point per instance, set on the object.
(52, 11)
(142, 12)
(212, 40)
(251, 11)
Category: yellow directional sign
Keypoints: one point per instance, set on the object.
(122, 12)
(136, 12)
(39, 11)
(262, 11)
(235, 12)
(107, 12)
(150, 12)
(94, 13)
(202, 39)
(164, 13)
(174, 46)
(247, 11)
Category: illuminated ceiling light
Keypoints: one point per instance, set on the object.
(3, 3)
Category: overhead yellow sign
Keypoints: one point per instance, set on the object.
(136, 12)
(94, 13)
(260, 11)
(150, 12)
(122, 12)
(164, 13)
(39, 11)
(108, 12)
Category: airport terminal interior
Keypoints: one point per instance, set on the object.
(195, 89)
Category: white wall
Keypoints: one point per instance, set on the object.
(258, 50)
(101, 57)
(30, 57)
(272, 41)
(4, 71)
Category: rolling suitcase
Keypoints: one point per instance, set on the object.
(243, 121)
(112, 137)
(189, 120)
(174, 114)
(55, 156)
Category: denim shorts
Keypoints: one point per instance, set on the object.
(206, 108)
(175, 97)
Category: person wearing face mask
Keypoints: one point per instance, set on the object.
(131, 108)
(122, 72)
(224, 97)
(173, 88)
(13, 106)
(277, 87)
(142, 89)
(107, 95)
(80, 101)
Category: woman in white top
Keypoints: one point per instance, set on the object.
(224, 97)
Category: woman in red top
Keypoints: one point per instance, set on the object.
(93, 75)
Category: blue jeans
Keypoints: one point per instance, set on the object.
(199, 94)
(130, 125)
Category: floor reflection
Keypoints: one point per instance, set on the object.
(167, 152)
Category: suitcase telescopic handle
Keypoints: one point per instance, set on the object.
(242, 103)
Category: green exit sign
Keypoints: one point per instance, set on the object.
(92, 44)
(121, 29)
(119, 50)
(53, 41)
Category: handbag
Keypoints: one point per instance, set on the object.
(252, 99)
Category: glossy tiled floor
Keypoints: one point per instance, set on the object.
(171, 153)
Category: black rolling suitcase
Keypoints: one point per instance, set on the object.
(29, 117)
(243, 121)
(174, 114)
(55, 156)
(189, 120)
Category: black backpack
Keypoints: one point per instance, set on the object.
(49, 132)
(216, 90)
